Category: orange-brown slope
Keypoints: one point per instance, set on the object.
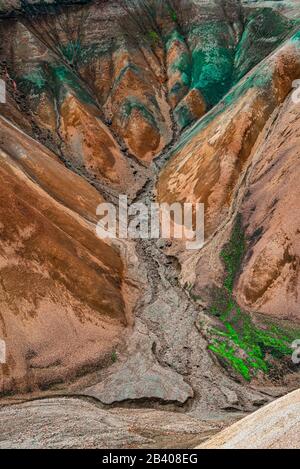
(62, 306)
(270, 277)
(267, 200)
(213, 164)
(210, 158)
(65, 111)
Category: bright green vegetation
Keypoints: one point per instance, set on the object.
(233, 254)
(240, 343)
(245, 346)
(153, 37)
(114, 356)
(172, 13)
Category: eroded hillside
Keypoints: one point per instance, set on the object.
(169, 101)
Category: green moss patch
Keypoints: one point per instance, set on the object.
(153, 38)
(239, 342)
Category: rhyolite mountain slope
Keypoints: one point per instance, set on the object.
(174, 101)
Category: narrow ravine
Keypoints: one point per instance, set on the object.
(161, 103)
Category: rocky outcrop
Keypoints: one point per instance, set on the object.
(276, 426)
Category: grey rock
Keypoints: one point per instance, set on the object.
(141, 377)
